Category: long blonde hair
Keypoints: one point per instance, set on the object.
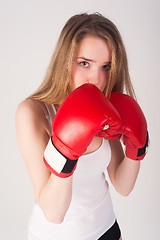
(57, 82)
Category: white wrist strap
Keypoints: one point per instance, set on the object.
(56, 160)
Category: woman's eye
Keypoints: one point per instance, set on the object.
(107, 67)
(84, 64)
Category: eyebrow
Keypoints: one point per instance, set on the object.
(87, 59)
(91, 60)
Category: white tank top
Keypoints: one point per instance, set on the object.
(91, 212)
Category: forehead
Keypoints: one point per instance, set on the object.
(94, 47)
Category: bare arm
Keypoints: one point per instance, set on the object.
(122, 171)
(52, 193)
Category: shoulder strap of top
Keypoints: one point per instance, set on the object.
(49, 111)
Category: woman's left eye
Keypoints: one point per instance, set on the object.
(107, 67)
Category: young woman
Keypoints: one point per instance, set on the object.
(88, 65)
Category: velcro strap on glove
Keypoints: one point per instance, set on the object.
(56, 161)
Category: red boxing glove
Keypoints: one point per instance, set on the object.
(134, 125)
(83, 115)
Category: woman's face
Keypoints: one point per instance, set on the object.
(92, 63)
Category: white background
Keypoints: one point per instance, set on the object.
(28, 33)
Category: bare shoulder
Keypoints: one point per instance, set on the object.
(30, 109)
(30, 113)
(31, 126)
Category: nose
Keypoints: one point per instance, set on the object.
(94, 77)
